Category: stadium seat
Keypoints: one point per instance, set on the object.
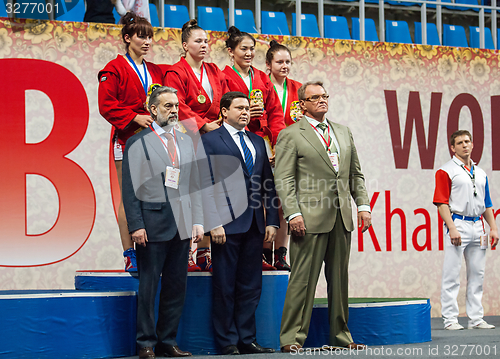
(475, 41)
(3, 10)
(432, 34)
(211, 18)
(336, 27)
(432, 6)
(153, 13)
(116, 16)
(274, 23)
(498, 38)
(402, 3)
(370, 30)
(245, 21)
(70, 10)
(454, 35)
(28, 11)
(397, 31)
(460, 8)
(309, 25)
(176, 16)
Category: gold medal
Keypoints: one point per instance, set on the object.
(201, 98)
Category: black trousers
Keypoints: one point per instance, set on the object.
(237, 285)
(170, 259)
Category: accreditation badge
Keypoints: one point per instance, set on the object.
(334, 159)
(172, 177)
(484, 241)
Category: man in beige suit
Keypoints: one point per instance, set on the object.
(317, 174)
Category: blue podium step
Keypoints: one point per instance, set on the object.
(377, 321)
(67, 324)
(195, 329)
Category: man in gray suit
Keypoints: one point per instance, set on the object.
(163, 208)
(317, 173)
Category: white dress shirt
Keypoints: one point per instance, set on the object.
(161, 132)
(234, 135)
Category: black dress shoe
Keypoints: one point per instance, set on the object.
(254, 348)
(230, 350)
(146, 353)
(171, 351)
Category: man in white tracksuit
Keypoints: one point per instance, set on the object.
(463, 199)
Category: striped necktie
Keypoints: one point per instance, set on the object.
(248, 154)
(324, 128)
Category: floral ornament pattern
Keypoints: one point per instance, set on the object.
(357, 75)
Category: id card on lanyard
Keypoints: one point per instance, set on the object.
(172, 174)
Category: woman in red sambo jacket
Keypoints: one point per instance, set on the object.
(123, 88)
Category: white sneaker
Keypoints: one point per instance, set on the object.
(482, 325)
(454, 326)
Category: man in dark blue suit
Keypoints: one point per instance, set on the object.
(163, 206)
(242, 211)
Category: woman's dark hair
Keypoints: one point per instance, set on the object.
(275, 46)
(188, 28)
(134, 24)
(236, 36)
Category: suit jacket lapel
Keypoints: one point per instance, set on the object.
(341, 139)
(310, 135)
(158, 146)
(228, 140)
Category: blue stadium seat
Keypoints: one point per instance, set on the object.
(176, 16)
(245, 21)
(3, 10)
(460, 8)
(454, 35)
(336, 27)
(153, 13)
(370, 30)
(211, 18)
(70, 10)
(309, 25)
(274, 23)
(432, 6)
(116, 16)
(28, 11)
(474, 38)
(432, 34)
(397, 31)
(402, 3)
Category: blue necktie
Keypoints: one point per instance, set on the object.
(248, 154)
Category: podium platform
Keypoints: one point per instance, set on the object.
(98, 319)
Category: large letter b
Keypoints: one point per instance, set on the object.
(47, 158)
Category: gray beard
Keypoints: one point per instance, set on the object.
(170, 121)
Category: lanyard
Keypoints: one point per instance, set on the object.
(161, 139)
(472, 176)
(249, 74)
(283, 101)
(329, 143)
(143, 81)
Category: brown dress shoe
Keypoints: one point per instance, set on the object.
(356, 346)
(146, 352)
(172, 351)
(291, 348)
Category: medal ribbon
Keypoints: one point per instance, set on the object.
(249, 74)
(145, 80)
(172, 157)
(199, 83)
(283, 101)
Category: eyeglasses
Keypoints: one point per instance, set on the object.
(316, 98)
